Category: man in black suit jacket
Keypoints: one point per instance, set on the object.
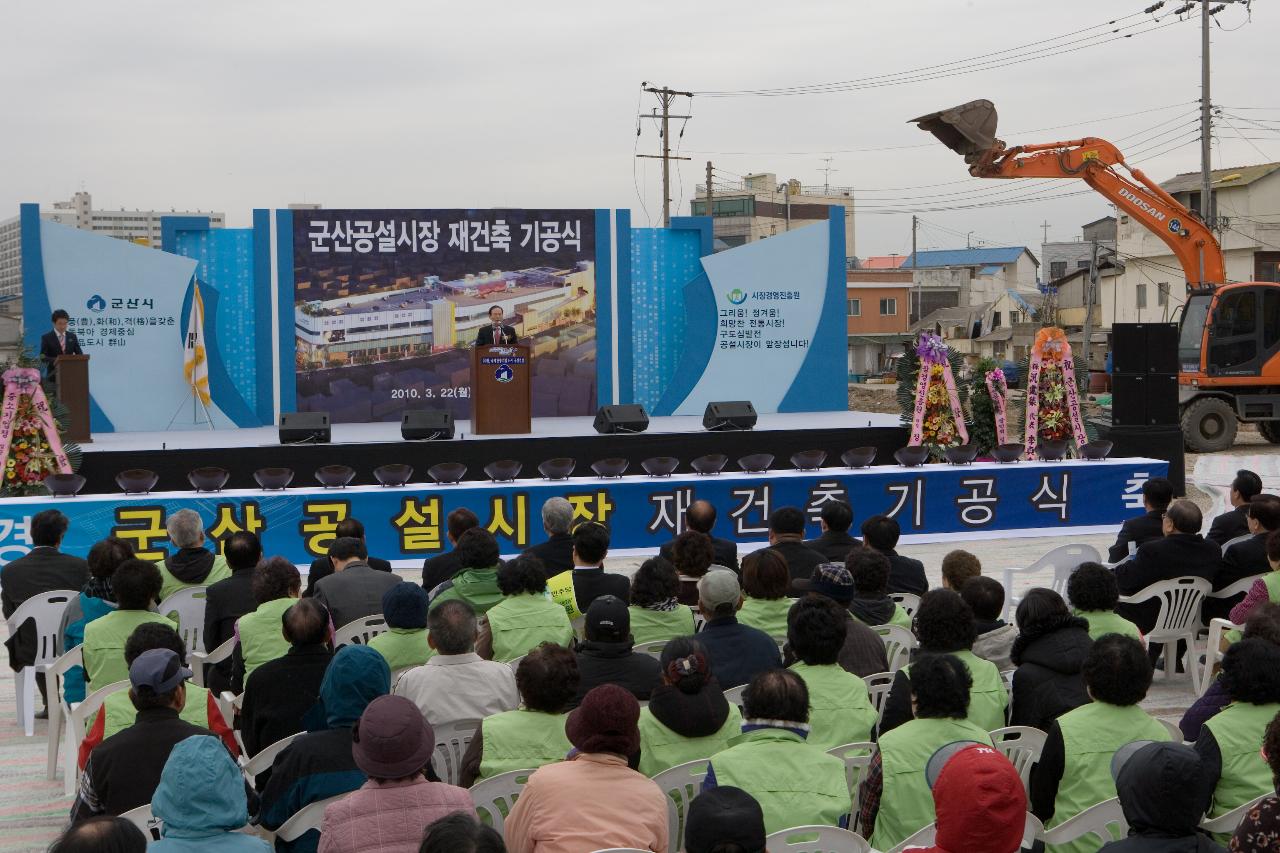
(1156, 494)
(440, 568)
(322, 567)
(228, 600)
(58, 342)
(556, 553)
(44, 569)
(835, 543)
(881, 533)
(1234, 523)
(497, 332)
(1181, 552)
(786, 537)
(701, 517)
(1245, 558)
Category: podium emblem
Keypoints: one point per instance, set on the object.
(504, 373)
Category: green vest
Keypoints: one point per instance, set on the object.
(522, 740)
(1103, 622)
(121, 713)
(906, 803)
(840, 710)
(104, 640)
(170, 584)
(262, 634)
(1238, 729)
(766, 614)
(796, 783)
(900, 617)
(1091, 734)
(1272, 582)
(661, 748)
(402, 647)
(652, 626)
(477, 587)
(988, 698)
(520, 623)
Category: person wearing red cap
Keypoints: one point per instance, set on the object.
(593, 800)
(978, 798)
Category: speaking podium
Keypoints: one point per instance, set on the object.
(71, 372)
(501, 389)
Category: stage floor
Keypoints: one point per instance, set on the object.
(379, 433)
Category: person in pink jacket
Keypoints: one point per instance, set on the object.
(392, 744)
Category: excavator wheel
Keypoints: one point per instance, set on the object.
(1209, 425)
(1270, 430)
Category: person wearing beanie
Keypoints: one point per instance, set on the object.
(723, 817)
(863, 651)
(392, 745)
(687, 717)
(526, 617)
(593, 800)
(320, 763)
(737, 652)
(978, 798)
(1161, 806)
(606, 654)
(201, 802)
(404, 643)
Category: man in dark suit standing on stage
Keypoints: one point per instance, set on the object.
(58, 342)
(1157, 492)
(496, 333)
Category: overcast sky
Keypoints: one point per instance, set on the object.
(235, 105)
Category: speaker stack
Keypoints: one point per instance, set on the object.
(1144, 395)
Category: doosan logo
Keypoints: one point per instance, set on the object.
(1143, 205)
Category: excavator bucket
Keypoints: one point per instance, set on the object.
(969, 129)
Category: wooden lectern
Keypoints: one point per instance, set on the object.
(72, 375)
(501, 389)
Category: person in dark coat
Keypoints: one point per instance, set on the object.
(1160, 804)
(736, 652)
(701, 517)
(42, 570)
(786, 536)
(59, 341)
(1049, 654)
(1182, 552)
(606, 655)
(497, 333)
(438, 569)
(1157, 493)
(835, 543)
(1245, 557)
(1235, 522)
(881, 533)
(355, 588)
(863, 651)
(556, 553)
(322, 567)
(228, 600)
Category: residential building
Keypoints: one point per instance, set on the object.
(972, 277)
(1061, 258)
(1002, 329)
(10, 257)
(878, 326)
(879, 262)
(759, 207)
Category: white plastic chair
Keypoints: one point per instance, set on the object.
(45, 610)
(1022, 745)
(1213, 649)
(452, 740)
(856, 758)
(922, 837)
(652, 649)
(899, 643)
(1229, 821)
(1179, 619)
(1175, 733)
(229, 704)
(1007, 675)
(188, 604)
(199, 660)
(1095, 820)
(878, 686)
(1240, 587)
(359, 631)
(908, 601)
(494, 797)
(681, 784)
(142, 818)
(816, 839)
(77, 724)
(265, 757)
(1032, 830)
(734, 694)
(306, 819)
(1063, 560)
(59, 707)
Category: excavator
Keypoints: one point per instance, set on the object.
(1229, 337)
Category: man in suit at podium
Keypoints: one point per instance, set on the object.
(58, 342)
(496, 333)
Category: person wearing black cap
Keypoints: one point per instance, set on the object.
(722, 817)
(1161, 803)
(123, 771)
(606, 655)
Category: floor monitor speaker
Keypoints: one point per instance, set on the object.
(304, 427)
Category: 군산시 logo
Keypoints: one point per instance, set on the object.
(504, 373)
(736, 296)
(96, 304)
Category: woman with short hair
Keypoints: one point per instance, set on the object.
(765, 581)
(656, 611)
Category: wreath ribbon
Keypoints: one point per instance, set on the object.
(933, 352)
(26, 380)
(1052, 345)
(998, 388)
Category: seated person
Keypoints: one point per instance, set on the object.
(533, 734)
(656, 612)
(1049, 654)
(1264, 589)
(1246, 557)
(863, 652)
(576, 589)
(1260, 827)
(1263, 624)
(840, 709)
(1182, 552)
(606, 654)
(322, 567)
(96, 599)
(795, 782)
(526, 617)
(880, 533)
(404, 643)
(104, 832)
(871, 603)
(701, 516)
(724, 820)
(260, 635)
(1234, 523)
(1094, 595)
(229, 599)
(438, 569)
(461, 833)
(894, 800)
(978, 798)
(136, 583)
(1157, 493)
(957, 567)
(687, 717)
(280, 692)
(834, 520)
(556, 553)
(737, 652)
(786, 536)
(477, 581)
(765, 583)
(354, 590)
(192, 564)
(1160, 806)
(201, 801)
(995, 637)
(692, 554)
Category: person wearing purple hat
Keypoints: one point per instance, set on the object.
(592, 800)
(391, 744)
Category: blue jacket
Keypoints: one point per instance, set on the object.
(319, 764)
(90, 608)
(737, 652)
(201, 800)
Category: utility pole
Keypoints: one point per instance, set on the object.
(1045, 226)
(915, 262)
(1206, 124)
(666, 97)
(1090, 293)
(709, 192)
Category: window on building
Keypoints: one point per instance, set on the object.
(1057, 269)
(1162, 294)
(1142, 296)
(888, 307)
(1014, 317)
(855, 307)
(995, 319)
(1082, 265)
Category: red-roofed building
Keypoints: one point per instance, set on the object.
(881, 262)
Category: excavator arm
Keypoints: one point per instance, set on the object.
(969, 129)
